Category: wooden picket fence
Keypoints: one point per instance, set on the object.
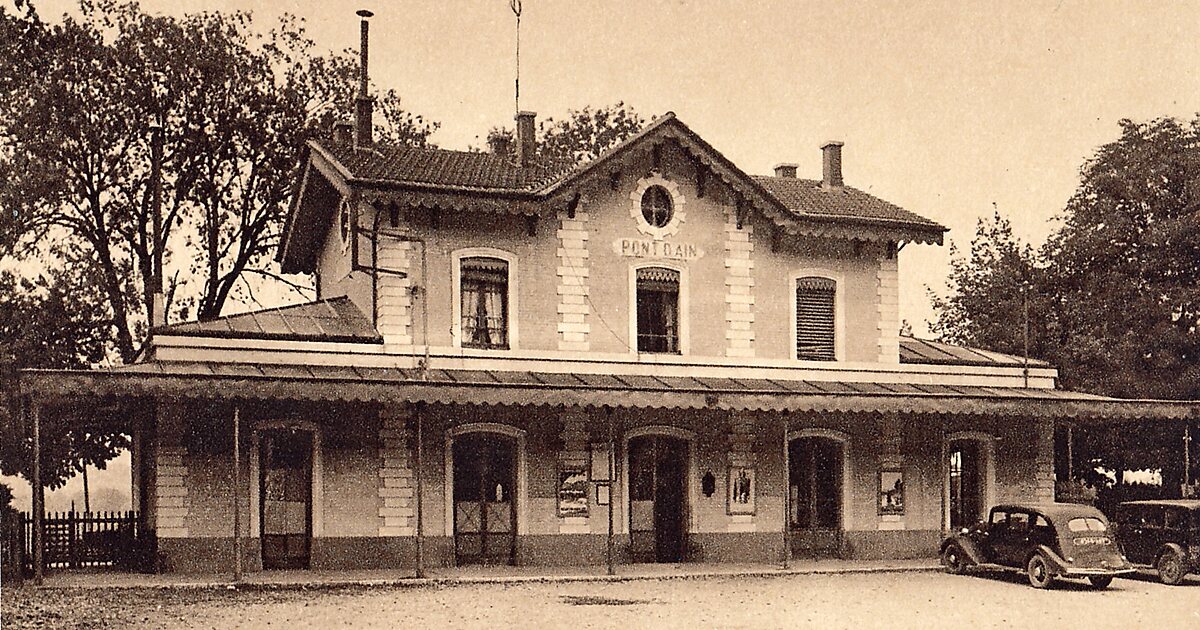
(75, 540)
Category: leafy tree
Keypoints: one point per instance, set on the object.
(580, 137)
(44, 325)
(1114, 292)
(77, 102)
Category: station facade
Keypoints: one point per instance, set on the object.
(648, 357)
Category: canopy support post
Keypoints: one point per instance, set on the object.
(612, 503)
(237, 495)
(418, 466)
(39, 495)
(787, 494)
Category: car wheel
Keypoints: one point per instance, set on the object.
(1100, 581)
(1170, 568)
(952, 558)
(1038, 571)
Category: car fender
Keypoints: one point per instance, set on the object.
(969, 547)
(1056, 562)
(1178, 550)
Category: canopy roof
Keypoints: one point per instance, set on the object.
(208, 380)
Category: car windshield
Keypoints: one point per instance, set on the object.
(1086, 524)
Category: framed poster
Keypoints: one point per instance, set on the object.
(742, 489)
(603, 494)
(891, 493)
(601, 471)
(572, 492)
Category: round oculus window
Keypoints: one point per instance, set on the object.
(657, 206)
(344, 221)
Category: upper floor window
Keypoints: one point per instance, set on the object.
(484, 302)
(657, 310)
(815, 314)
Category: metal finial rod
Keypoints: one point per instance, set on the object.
(515, 5)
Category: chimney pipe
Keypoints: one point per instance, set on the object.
(786, 170)
(832, 164)
(526, 143)
(363, 104)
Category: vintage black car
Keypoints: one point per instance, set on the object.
(1045, 540)
(1161, 534)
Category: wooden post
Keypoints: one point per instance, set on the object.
(612, 497)
(417, 466)
(39, 495)
(237, 494)
(787, 495)
(1070, 453)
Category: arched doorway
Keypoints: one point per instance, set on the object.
(658, 491)
(285, 485)
(484, 466)
(816, 479)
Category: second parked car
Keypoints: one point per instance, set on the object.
(1162, 534)
(1046, 541)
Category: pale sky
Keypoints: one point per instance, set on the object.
(946, 108)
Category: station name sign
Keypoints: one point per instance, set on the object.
(642, 248)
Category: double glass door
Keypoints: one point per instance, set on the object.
(285, 488)
(657, 498)
(484, 502)
(815, 496)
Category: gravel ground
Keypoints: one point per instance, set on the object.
(861, 601)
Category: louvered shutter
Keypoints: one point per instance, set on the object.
(815, 319)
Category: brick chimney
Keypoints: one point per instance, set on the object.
(832, 164)
(343, 132)
(363, 104)
(526, 142)
(786, 170)
(500, 144)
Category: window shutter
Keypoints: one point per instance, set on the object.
(815, 319)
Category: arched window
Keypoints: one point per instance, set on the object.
(484, 302)
(658, 310)
(815, 319)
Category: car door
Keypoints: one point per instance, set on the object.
(1012, 546)
(994, 529)
(1140, 531)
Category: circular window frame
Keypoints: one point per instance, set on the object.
(344, 221)
(677, 207)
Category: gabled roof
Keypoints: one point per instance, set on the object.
(808, 197)
(333, 319)
(913, 350)
(482, 182)
(424, 167)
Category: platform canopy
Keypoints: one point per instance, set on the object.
(213, 380)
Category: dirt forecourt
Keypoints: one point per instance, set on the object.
(858, 601)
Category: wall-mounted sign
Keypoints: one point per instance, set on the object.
(741, 490)
(891, 493)
(572, 492)
(644, 248)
